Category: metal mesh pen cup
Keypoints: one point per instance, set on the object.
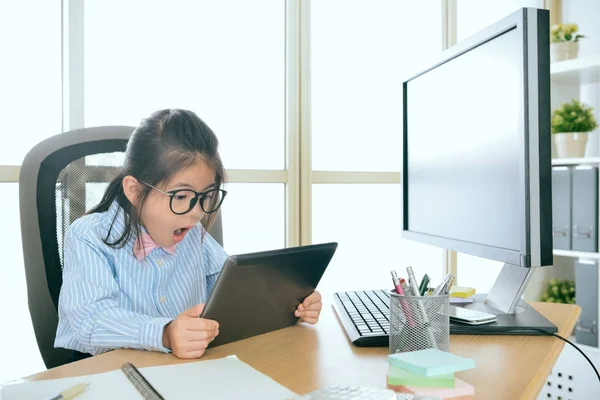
(418, 323)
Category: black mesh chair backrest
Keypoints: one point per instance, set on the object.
(79, 187)
(61, 178)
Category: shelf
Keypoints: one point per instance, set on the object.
(576, 161)
(576, 254)
(577, 71)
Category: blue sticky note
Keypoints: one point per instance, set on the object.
(431, 362)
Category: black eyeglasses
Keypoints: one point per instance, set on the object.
(183, 200)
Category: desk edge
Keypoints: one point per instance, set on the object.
(536, 384)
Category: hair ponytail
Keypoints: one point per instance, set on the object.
(113, 192)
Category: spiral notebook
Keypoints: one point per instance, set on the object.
(225, 378)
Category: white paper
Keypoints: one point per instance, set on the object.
(226, 378)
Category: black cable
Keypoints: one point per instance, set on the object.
(579, 350)
(528, 331)
(572, 344)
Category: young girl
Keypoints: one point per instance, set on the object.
(139, 266)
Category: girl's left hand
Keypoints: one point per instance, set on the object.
(310, 309)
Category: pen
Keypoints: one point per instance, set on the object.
(396, 282)
(424, 285)
(448, 285)
(413, 286)
(438, 290)
(71, 392)
(405, 287)
(412, 282)
(403, 303)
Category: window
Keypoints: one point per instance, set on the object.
(356, 78)
(30, 74)
(202, 55)
(356, 75)
(253, 217)
(20, 355)
(364, 220)
(138, 57)
(31, 104)
(237, 64)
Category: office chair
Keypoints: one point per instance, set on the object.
(61, 178)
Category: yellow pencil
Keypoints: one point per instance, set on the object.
(71, 392)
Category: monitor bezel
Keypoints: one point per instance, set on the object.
(532, 26)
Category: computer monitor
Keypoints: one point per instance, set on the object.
(477, 159)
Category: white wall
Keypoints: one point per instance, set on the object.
(585, 13)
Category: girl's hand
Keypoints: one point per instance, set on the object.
(187, 335)
(310, 309)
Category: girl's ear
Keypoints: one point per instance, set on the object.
(131, 188)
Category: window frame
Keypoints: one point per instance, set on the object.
(298, 175)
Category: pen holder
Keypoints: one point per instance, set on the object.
(418, 323)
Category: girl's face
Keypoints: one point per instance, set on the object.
(165, 227)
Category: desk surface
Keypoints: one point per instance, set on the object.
(304, 357)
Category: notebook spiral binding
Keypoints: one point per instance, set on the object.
(141, 384)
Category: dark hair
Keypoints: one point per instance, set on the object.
(164, 143)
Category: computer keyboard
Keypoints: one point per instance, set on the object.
(365, 315)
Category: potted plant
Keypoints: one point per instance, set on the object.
(571, 124)
(559, 291)
(564, 42)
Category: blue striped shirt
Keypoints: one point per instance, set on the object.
(111, 300)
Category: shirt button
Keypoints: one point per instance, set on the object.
(162, 299)
(160, 262)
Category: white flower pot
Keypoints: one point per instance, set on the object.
(570, 145)
(563, 51)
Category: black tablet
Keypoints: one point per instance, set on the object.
(259, 292)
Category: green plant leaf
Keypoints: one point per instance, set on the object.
(573, 116)
(559, 291)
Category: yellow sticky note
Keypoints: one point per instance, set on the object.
(462, 292)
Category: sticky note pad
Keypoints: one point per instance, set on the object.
(431, 362)
(462, 391)
(460, 300)
(461, 291)
(402, 377)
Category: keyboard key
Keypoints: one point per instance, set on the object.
(368, 310)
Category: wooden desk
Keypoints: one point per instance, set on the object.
(304, 357)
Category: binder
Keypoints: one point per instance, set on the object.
(584, 209)
(586, 295)
(561, 207)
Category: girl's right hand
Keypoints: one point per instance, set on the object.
(187, 335)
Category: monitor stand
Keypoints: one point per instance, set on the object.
(514, 316)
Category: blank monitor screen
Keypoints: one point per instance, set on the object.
(465, 139)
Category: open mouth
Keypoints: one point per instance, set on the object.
(179, 234)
